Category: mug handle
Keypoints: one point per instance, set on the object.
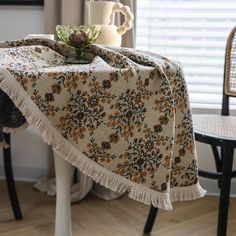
(129, 17)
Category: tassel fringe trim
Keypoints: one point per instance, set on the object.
(70, 153)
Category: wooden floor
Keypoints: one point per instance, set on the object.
(123, 217)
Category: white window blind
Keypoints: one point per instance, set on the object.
(193, 32)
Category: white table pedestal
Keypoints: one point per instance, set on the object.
(63, 206)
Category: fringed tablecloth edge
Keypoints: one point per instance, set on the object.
(67, 151)
(187, 193)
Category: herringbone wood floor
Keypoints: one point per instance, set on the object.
(123, 217)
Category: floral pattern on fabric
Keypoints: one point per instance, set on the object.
(128, 110)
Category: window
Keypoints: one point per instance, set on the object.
(193, 32)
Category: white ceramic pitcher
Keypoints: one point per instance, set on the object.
(103, 13)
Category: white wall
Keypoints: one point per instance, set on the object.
(29, 155)
(18, 21)
(29, 152)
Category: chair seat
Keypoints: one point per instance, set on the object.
(216, 126)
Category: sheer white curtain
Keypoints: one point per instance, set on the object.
(75, 12)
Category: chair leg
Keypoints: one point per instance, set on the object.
(227, 159)
(10, 179)
(150, 220)
(218, 161)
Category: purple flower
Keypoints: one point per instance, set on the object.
(77, 39)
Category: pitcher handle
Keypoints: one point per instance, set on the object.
(129, 17)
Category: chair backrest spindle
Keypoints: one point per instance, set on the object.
(229, 88)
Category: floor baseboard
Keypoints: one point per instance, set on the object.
(26, 174)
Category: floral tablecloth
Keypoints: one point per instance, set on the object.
(123, 120)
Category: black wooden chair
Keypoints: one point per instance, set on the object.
(220, 131)
(217, 131)
(10, 179)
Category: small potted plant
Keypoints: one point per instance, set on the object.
(81, 38)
